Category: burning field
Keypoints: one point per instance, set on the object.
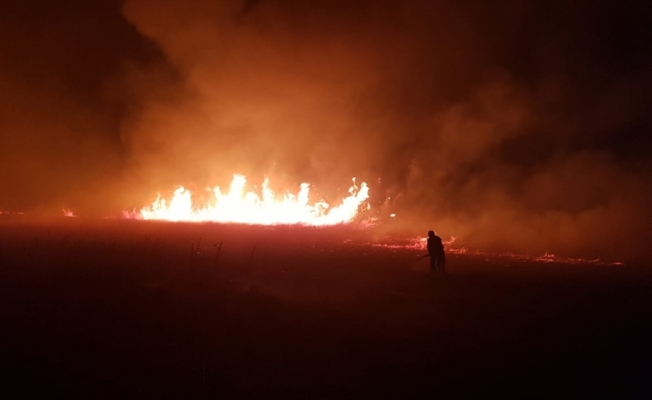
(146, 309)
(248, 207)
(229, 199)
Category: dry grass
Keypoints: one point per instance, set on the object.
(129, 309)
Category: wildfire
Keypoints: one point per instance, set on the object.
(246, 207)
(419, 244)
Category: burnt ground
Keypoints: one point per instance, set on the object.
(124, 309)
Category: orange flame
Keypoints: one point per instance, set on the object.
(238, 206)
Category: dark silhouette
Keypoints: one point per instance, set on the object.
(436, 253)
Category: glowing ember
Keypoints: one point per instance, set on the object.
(419, 244)
(238, 206)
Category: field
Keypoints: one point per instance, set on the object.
(117, 309)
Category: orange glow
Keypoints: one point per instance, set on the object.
(419, 244)
(246, 207)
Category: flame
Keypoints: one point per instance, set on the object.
(246, 207)
(419, 244)
(68, 213)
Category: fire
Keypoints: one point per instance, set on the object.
(246, 207)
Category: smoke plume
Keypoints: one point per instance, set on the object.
(514, 126)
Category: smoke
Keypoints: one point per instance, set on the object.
(490, 123)
(58, 121)
(514, 126)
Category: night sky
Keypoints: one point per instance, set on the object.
(514, 126)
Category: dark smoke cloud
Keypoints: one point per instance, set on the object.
(59, 117)
(515, 126)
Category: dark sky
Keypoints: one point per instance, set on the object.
(521, 126)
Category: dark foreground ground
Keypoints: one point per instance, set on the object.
(123, 309)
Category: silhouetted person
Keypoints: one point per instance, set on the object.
(436, 253)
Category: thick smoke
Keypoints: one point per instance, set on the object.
(514, 126)
(59, 116)
(498, 123)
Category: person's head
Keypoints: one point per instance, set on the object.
(431, 233)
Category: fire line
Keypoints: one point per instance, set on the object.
(247, 207)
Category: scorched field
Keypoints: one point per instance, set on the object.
(108, 309)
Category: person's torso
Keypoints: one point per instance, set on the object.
(435, 246)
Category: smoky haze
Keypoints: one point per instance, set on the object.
(514, 126)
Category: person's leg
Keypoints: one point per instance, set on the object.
(433, 264)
